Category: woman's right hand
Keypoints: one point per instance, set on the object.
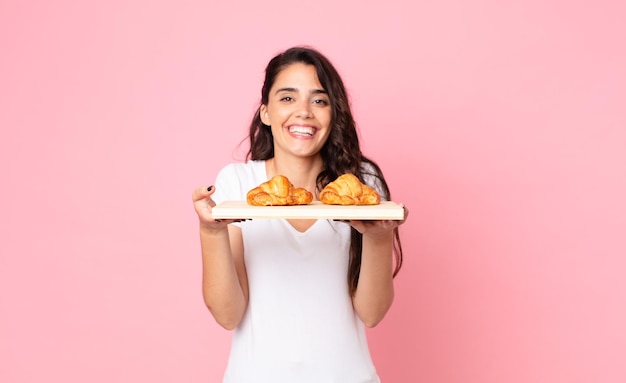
(203, 205)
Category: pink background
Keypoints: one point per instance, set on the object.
(501, 124)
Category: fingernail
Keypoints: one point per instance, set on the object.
(210, 188)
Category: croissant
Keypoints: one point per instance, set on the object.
(278, 191)
(347, 189)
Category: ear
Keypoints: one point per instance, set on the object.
(265, 118)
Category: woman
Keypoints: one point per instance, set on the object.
(298, 292)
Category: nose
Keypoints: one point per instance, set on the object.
(304, 109)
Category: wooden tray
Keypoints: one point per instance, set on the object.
(386, 210)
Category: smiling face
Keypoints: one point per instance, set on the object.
(298, 111)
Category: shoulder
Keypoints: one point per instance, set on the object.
(243, 170)
(372, 176)
(235, 179)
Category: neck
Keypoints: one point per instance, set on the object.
(302, 172)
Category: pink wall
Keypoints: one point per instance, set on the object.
(502, 125)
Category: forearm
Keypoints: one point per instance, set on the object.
(374, 293)
(224, 293)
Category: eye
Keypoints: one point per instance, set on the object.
(286, 99)
(320, 101)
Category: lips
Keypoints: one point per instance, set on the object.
(302, 130)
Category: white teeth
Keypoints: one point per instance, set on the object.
(301, 130)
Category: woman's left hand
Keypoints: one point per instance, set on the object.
(378, 227)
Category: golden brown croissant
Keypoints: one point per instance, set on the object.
(347, 189)
(278, 191)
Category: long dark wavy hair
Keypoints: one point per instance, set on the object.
(340, 154)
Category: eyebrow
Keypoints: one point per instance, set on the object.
(287, 89)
